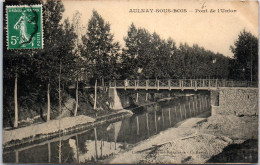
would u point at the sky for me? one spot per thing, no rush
(215, 31)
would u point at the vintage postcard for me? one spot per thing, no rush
(129, 82)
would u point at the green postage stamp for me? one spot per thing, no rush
(24, 27)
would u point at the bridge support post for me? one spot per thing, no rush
(175, 110)
(125, 82)
(180, 110)
(206, 105)
(158, 85)
(155, 121)
(147, 123)
(202, 103)
(169, 84)
(185, 111)
(209, 102)
(193, 107)
(197, 105)
(190, 109)
(170, 116)
(103, 83)
(196, 87)
(137, 123)
(162, 118)
(181, 85)
(205, 102)
(200, 106)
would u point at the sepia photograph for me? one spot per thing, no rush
(130, 82)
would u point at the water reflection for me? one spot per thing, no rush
(99, 143)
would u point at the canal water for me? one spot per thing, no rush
(106, 140)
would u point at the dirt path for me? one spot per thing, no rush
(195, 140)
(172, 134)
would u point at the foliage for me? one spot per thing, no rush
(245, 60)
(145, 52)
(99, 49)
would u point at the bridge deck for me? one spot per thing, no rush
(174, 84)
(165, 88)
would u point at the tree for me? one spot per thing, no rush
(16, 68)
(76, 26)
(100, 49)
(245, 52)
(68, 59)
(162, 51)
(184, 57)
(144, 52)
(145, 58)
(129, 54)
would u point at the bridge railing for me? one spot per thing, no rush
(151, 82)
(180, 83)
(163, 83)
(142, 83)
(175, 83)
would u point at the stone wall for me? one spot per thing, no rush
(236, 101)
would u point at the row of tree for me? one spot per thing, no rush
(34, 78)
(145, 51)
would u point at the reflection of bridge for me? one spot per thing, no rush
(177, 84)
